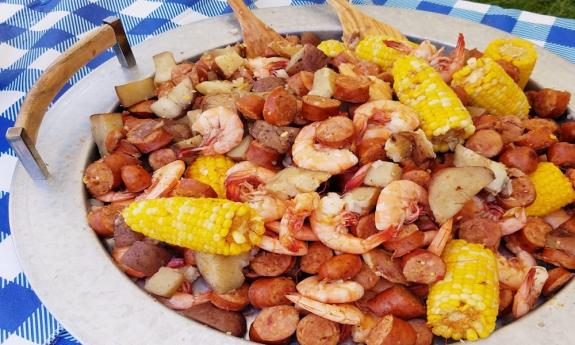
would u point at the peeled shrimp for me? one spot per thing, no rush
(303, 234)
(390, 116)
(529, 290)
(243, 177)
(164, 180)
(329, 222)
(222, 129)
(182, 300)
(265, 204)
(345, 314)
(308, 154)
(299, 208)
(425, 50)
(330, 292)
(399, 202)
(272, 244)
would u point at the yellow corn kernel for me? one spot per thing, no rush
(331, 48)
(374, 49)
(211, 170)
(554, 190)
(521, 53)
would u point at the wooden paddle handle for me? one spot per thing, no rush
(22, 137)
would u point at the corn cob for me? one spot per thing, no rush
(519, 52)
(443, 117)
(464, 305)
(213, 226)
(211, 170)
(490, 87)
(554, 190)
(331, 48)
(374, 49)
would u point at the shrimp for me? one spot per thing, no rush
(243, 177)
(182, 300)
(443, 236)
(329, 222)
(512, 270)
(303, 234)
(222, 129)
(330, 292)
(357, 179)
(164, 180)
(272, 244)
(391, 116)
(399, 202)
(266, 205)
(112, 196)
(346, 314)
(529, 290)
(512, 221)
(308, 154)
(299, 208)
(266, 66)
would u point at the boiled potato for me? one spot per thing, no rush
(222, 273)
(379, 89)
(229, 62)
(361, 200)
(136, 91)
(165, 282)
(101, 125)
(465, 157)
(381, 173)
(163, 62)
(214, 87)
(239, 152)
(450, 188)
(291, 181)
(323, 82)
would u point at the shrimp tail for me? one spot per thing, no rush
(402, 47)
(357, 179)
(380, 237)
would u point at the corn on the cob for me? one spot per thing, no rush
(490, 87)
(554, 190)
(519, 52)
(331, 48)
(374, 49)
(443, 117)
(214, 226)
(211, 170)
(464, 305)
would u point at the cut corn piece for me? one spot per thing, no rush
(443, 117)
(554, 190)
(214, 226)
(331, 48)
(211, 170)
(490, 87)
(464, 305)
(374, 49)
(521, 53)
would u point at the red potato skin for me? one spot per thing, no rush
(101, 219)
(266, 264)
(230, 322)
(269, 292)
(117, 254)
(280, 107)
(145, 257)
(558, 277)
(235, 300)
(274, 325)
(161, 157)
(316, 255)
(135, 178)
(262, 155)
(267, 84)
(521, 157)
(315, 330)
(423, 267)
(124, 236)
(397, 301)
(99, 178)
(424, 336)
(310, 38)
(562, 154)
(344, 266)
(351, 89)
(391, 330)
(251, 106)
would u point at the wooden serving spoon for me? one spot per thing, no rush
(257, 35)
(357, 24)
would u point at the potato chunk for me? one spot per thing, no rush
(165, 282)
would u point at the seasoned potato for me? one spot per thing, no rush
(239, 152)
(223, 273)
(381, 173)
(165, 282)
(136, 91)
(361, 200)
(323, 83)
(291, 181)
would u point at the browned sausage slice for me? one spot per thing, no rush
(486, 142)
(537, 139)
(534, 232)
(280, 107)
(522, 193)
(522, 158)
(300, 83)
(562, 154)
(99, 178)
(266, 264)
(161, 157)
(423, 334)
(344, 266)
(116, 161)
(397, 301)
(385, 266)
(423, 267)
(135, 178)
(558, 277)
(234, 300)
(421, 177)
(262, 155)
(315, 330)
(366, 277)
(230, 322)
(336, 131)
(269, 292)
(557, 257)
(548, 102)
(351, 89)
(316, 255)
(391, 330)
(101, 219)
(480, 230)
(365, 226)
(274, 325)
(567, 131)
(318, 108)
(251, 106)
(408, 239)
(563, 240)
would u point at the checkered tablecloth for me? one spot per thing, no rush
(34, 32)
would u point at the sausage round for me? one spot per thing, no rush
(316, 255)
(548, 102)
(300, 83)
(315, 330)
(567, 131)
(480, 230)
(366, 277)
(310, 38)
(161, 157)
(558, 277)
(99, 178)
(534, 231)
(154, 141)
(537, 139)
(262, 155)
(562, 154)
(536, 122)
(351, 89)
(521, 157)
(251, 106)
(280, 107)
(367, 68)
(408, 239)
(336, 131)
(135, 178)
(485, 122)
(391, 330)
(423, 267)
(370, 150)
(397, 301)
(266, 264)
(193, 188)
(344, 266)
(423, 334)
(269, 292)
(510, 127)
(559, 239)
(116, 161)
(318, 108)
(557, 257)
(101, 219)
(365, 226)
(230, 322)
(274, 325)
(486, 142)
(384, 265)
(522, 193)
(234, 300)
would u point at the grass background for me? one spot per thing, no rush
(558, 8)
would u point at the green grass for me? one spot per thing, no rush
(557, 8)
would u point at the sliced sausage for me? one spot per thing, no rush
(521, 157)
(275, 325)
(419, 290)
(128, 148)
(234, 300)
(505, 300)
(101, 219)
(267, 84)
(145, 257)
(269, 292)
(366, 277)
(113, 138)
(262, 155)
(116, 161)
(537, 139)
(370, 150)
(549, 103)
(480, 230)
(193, 188)
(562, 154)
(344, 266)
(567, 131)
(316, 255)
(149, 136)
(142, 109)
(300, 83)
(510, 127)
(251, 106)
(319, 108)
(391, 330)
(336, 131)
(278, 138)
(99, 178)
(397, 301)
(315, 330)
(365, 226)
(135, 178)
(280, 107)
(423, 335)
(558, 277)
(423, 267)
(351, 89)
(408, 239)
(485, 122)
(385, 266)
(161, 157)
(367, 68)
(559, 239)
(557, 257)
(569, 226)
(536, 122)
(230, 322)
(124, 236)
(534, 232)
(486, 142)
(266, 264)
(421, 177)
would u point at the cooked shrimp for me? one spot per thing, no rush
(390, 116)
(346, 314)
(357, 179)
(222, 129)
(425, 50)
(308, 154)
(529, 291)
(512, 270)
(113, 196)
(329, 222)
(164, 180)
(243, 177)
(273, 244)
(400, 202)
(330, 292)
(512, 221)
(303, 234)
(266, 66)
(443, 235)
(182, 300)
(266, 205)
(299, 208)
(447, 66)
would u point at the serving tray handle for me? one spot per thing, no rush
(22, 137)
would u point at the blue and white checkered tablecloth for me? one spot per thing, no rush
(35, 32)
